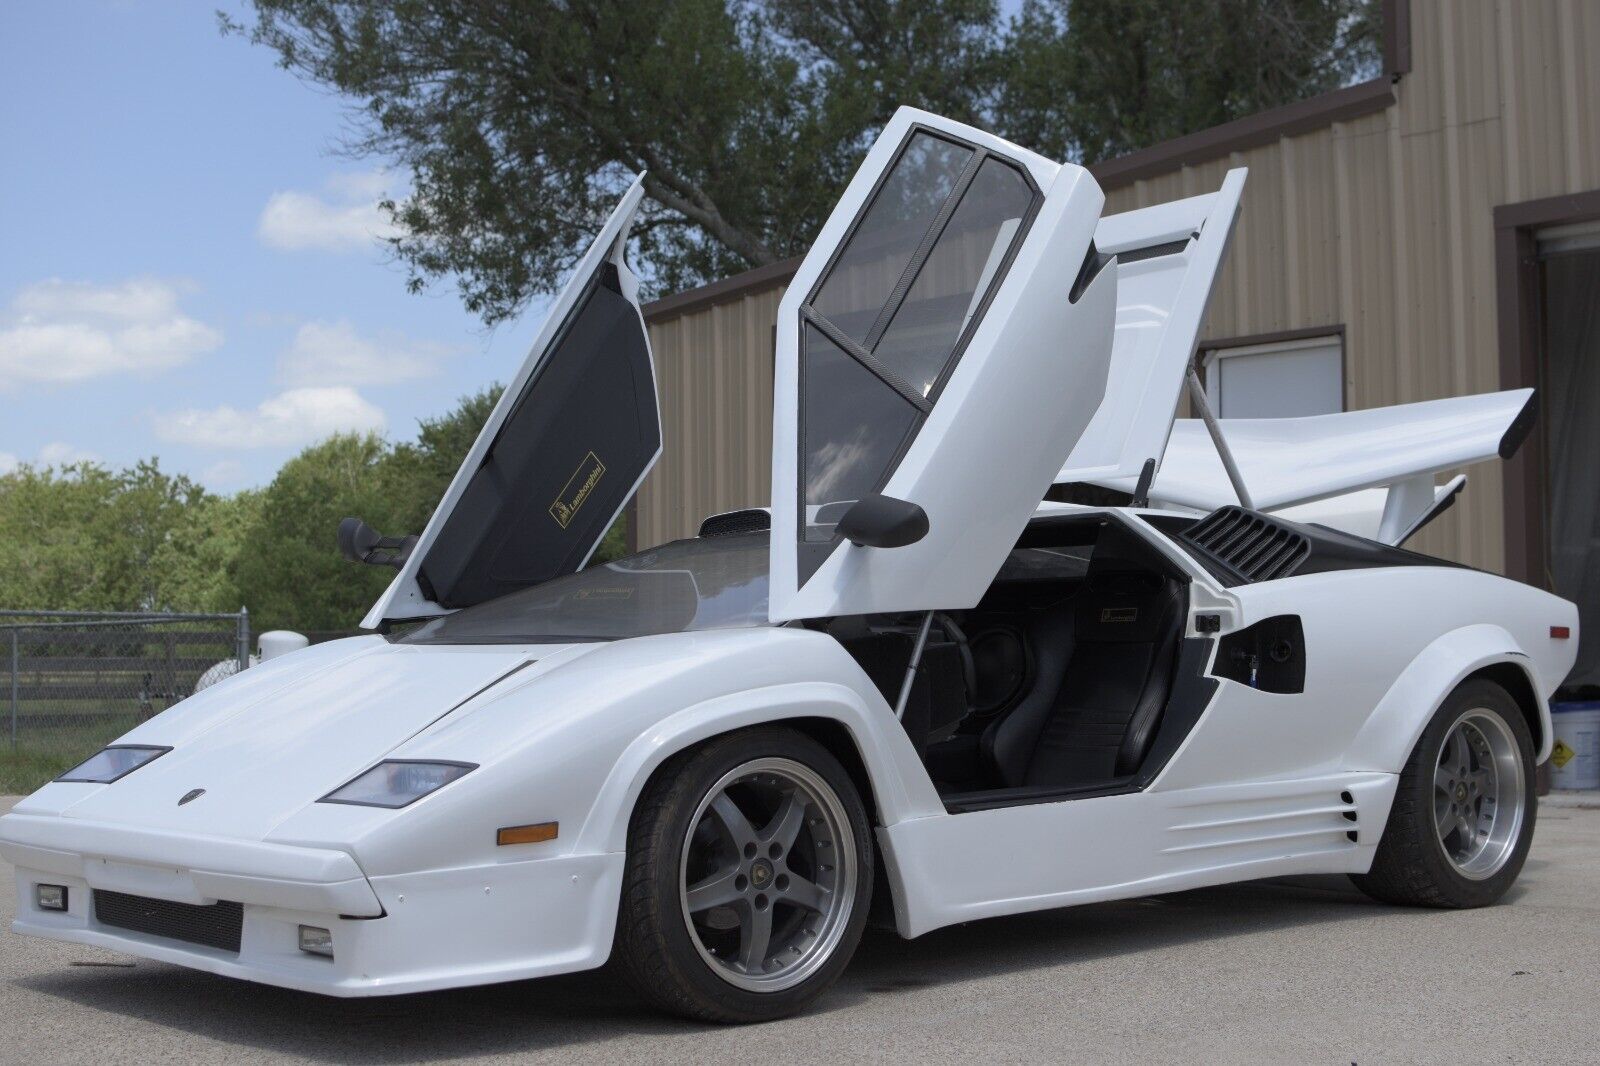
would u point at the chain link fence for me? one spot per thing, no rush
(73, 681)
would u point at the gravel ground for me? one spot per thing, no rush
(1303, 970)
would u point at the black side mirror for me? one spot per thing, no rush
(877, 521)
(360, 543)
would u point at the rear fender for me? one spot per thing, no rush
(1392, 730)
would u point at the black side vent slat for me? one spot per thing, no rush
(1254, 546)
(214, 925)
(753, 520)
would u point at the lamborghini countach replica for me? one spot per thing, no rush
(922, 686)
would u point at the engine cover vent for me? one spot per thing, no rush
(752, 520)
(1254, 546)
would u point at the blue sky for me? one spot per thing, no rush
(189, 268)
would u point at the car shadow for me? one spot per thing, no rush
(596, 1008)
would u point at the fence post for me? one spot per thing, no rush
(14, 690)
(243, 636)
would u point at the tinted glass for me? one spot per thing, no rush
(877, 252)
(687, 585)
(853, 426)
(963, 264)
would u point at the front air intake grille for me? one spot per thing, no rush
(213, 925)
(1252, 545)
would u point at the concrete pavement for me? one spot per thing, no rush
(1303, 971)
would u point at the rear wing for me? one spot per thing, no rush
(1297, 462)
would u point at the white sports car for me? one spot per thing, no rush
(912, 687)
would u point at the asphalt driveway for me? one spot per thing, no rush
(1304, 971)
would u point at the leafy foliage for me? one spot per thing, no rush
(521, 121)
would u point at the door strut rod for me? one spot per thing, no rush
(911, 667)
(1197, 399)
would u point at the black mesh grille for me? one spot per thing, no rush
(215, 925)
(754, 520)
(1252, 545)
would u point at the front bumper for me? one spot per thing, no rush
(406, 933)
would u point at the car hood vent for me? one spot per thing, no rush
(1249, 544)
(753, 520)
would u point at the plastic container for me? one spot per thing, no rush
(1575, 760)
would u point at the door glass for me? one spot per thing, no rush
(876, 255)
(941, 302)
(854, 425)
(886, 323)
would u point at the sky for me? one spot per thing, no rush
(190, 268)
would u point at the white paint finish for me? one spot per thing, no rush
(1288, 461)
(961, 867)
(1160, 304)
(404, 598)
(1021, 393)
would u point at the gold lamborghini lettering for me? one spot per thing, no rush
(577, 489)
(1119, 614)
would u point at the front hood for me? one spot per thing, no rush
(265, 744)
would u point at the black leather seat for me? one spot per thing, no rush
(1103, 674)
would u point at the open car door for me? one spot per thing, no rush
(945, 343)
(560, 456)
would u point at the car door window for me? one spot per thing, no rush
(885, 325)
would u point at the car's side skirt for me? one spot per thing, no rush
(955, 868)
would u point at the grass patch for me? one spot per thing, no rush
(43, 752)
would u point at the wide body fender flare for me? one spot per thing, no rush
(1385, 742)
(901, 787)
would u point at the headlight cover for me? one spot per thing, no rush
(113, 763)
(398, 782)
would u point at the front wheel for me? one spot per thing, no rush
(1463, 812)
(748, 877)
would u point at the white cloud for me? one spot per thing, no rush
(222, 473)
(57, 454)
(62, 332)
(344, 217)
(333, 353)
(8, 462)
(290, 419)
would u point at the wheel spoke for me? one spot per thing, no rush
(755, 932)
(1460, 753)
(1444, 818)
(785, 825)
(733, 820)
(807, 894)
(715, 891)
(1443, 780)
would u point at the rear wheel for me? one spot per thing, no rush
(1464, 810)
(748, 877)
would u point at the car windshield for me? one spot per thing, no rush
(687, 585)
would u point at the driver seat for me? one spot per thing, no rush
(1100, 691)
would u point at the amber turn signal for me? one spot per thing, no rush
(527, 834)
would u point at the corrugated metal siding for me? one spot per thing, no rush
(1383, 224)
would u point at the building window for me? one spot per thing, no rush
(1277, 378)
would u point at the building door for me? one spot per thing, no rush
(1569, 327)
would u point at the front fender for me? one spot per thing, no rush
(900, 783)
(1391, 732)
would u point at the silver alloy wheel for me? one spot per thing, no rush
(768, 876)
(1479, 796)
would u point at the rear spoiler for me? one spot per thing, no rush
(1294, 462)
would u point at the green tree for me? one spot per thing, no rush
(1092, 79)
(290, 573)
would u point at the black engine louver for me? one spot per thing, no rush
(1252, 545)
(752, 520)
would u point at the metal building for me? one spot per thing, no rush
(1432, 232)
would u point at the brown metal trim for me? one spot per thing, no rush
(1283, 336)
(1516, 266)
(1396, 38)
(1252, 131)
(727, 290)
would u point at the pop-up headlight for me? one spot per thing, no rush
(110, 764)
(397, 782)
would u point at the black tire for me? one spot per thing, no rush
(1411, 867)
(655, 948)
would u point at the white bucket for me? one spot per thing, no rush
(1575, 762)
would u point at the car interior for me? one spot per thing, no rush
(1055, 684)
